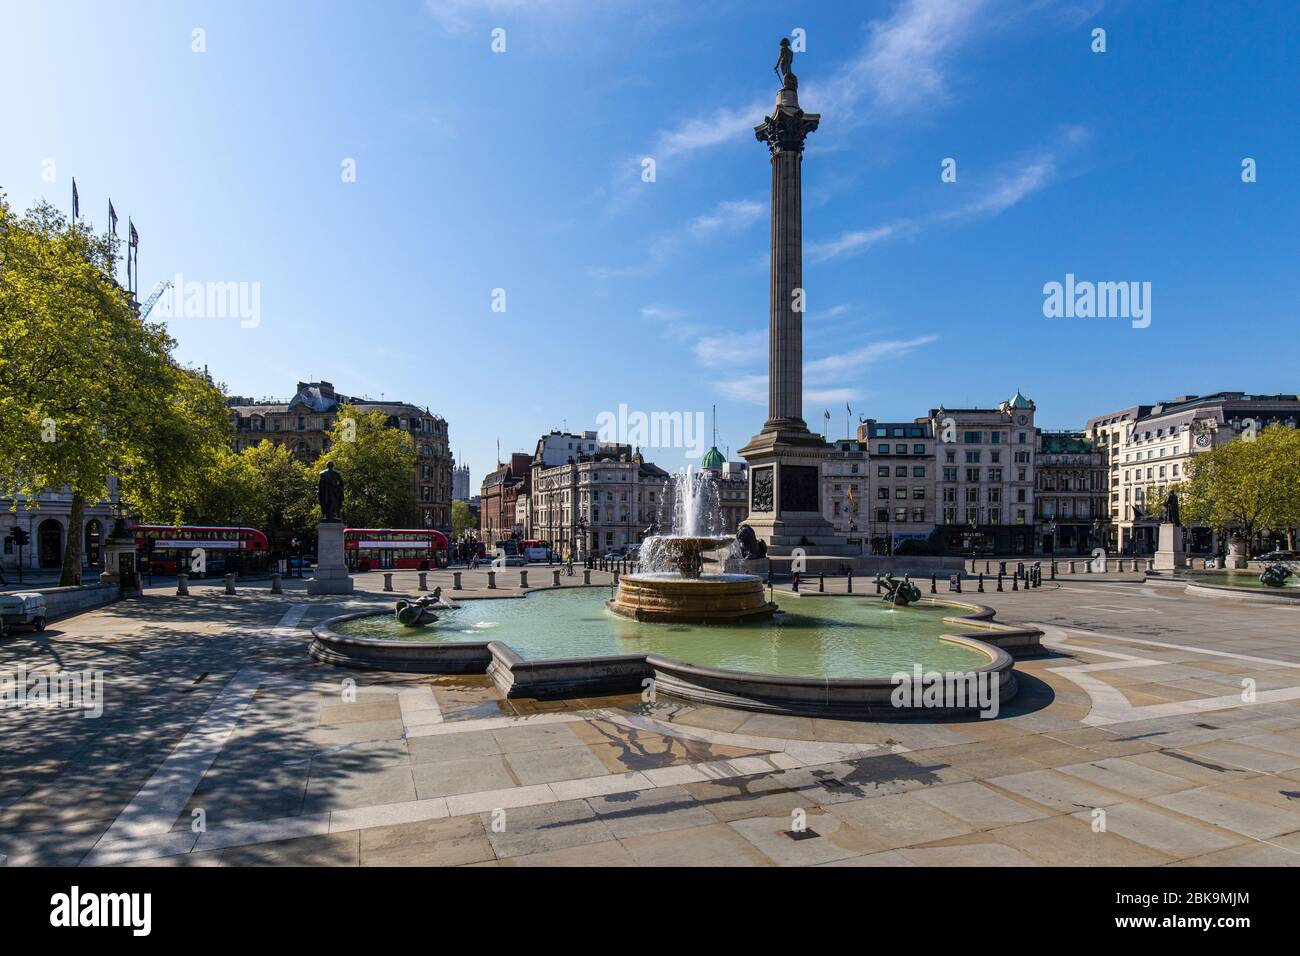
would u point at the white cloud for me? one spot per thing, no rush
(727, 217)
(1028, 175)
(733, 349)
(745, 388)
(835, 365)
(664, 313)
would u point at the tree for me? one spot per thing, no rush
(1247, 486)
(89, 391)
(462, 519)
(378, 467)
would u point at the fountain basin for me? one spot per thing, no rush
(831, 655)
(707, 599)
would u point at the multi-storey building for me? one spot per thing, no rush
(600, 501)
(899, 499)
(844, 489)
(302, 424)
(1148, 449)
(985, 481)
(1071, 498)
(499, 494)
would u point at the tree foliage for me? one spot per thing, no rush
(378, 467)
(462, 520)
(89, 391)
(1246, 486)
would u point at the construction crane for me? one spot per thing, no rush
(159, 288)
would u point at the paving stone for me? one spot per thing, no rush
(526, 830)
(650, 811)
(1231, 813)
(525, 737)
(978, 805)
(1126, 776)
(445, 747)
(547, 766)
(469, 775)
(899, 820)
(1164, 832)
(338, 849)
(694, 846)
(446, 842)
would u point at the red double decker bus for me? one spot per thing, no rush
(226, 550)
(387, 548)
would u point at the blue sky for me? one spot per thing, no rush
(522, 171)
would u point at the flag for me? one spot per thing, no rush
(848, 408)
(112, 218)
(826, 414)
(76, 200)
(135, 236)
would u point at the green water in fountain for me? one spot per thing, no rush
(812, 637)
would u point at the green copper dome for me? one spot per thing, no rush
(1019, 401)
(712, 458)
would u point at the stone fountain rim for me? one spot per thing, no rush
(324, 635)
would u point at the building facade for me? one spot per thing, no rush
(1071, 498)
(900, 495)
(599, 502)
(498, 497)
(986, 479)
(302, 424)
(46, 520)
(460, 489)
(844, 490)
(1148, 449)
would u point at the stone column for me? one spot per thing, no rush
(784, 132)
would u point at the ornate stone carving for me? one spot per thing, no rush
(786, 130)
(762, 490)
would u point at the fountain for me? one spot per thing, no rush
(671, 584)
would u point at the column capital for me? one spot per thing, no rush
(786, 129)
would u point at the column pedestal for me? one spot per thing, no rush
(1169, 553)
(331, 575)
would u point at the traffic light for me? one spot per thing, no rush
(20, 535)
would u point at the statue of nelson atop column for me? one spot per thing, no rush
(330, 492)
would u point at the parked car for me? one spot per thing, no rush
(23, 607)
(614, 556)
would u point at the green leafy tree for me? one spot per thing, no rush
(378, 467)
(1247, 486)
(89, 391)
(462, 519)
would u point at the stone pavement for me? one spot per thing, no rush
(1162, 729)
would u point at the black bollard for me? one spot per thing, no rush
(934, 585)
(850, 582)
(821, 582)
(878, 584)
(1053, 569)
(999, 580)
(981, 587)
(1015, 582)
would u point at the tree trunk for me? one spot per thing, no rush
(70, 575)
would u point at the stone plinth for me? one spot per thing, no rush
(1169, 554)
(331, 575)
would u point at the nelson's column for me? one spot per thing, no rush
(785, 458)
